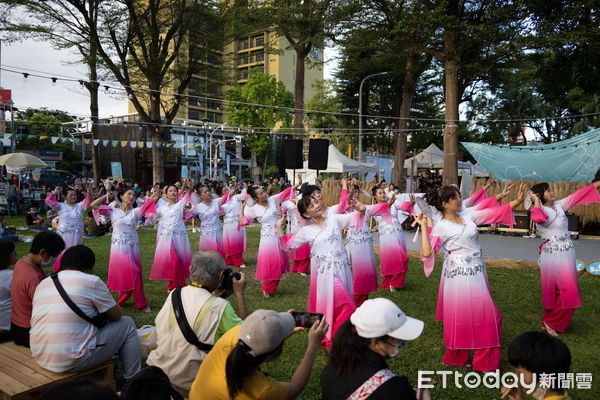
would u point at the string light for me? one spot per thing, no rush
(129, 89)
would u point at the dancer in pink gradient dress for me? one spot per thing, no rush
(173, 256)
(331, 291)
(359, 245)
(560, 287)
(272, 261)
(301, 256)
(125, 263)
(209, 211)
(70, 218)
(392, 248)
(471, 319)
(234, 235)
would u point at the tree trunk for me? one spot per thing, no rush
(92, 87)
(299, 92)
(408, 92)
(158, 173)
(451, 95)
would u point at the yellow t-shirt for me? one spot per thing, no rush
(211, 384)
(558, 397)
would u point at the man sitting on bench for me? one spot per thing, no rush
(76, 324)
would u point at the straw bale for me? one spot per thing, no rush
(588, 213)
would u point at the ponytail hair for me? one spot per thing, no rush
(539, 190)
(241, 364)
(348, 349)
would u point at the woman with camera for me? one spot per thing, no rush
(232, 368)
(208, 314)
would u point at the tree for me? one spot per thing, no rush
(152, 49)
(36, 127)
(265, 90)
(305, 25)
(60, 23)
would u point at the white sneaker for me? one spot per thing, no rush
(193, 230)
(243, 266)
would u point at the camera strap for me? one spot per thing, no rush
(70, 303)
(184, 326)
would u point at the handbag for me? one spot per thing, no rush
(99, 321)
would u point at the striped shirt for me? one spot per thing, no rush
(59, 338)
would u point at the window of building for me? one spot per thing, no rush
(213, 59)
(260, 41)
(294, 75)
(195, 115)
(260, 57)
(193, 101)
(245, 44)
(293, 59)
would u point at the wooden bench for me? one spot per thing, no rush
(22, 378)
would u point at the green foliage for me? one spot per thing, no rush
(263, 89)
(45, 122)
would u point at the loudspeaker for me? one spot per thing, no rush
(318, 154)
(573, 222)
(521, 220)
(292, 154)
(279, 156)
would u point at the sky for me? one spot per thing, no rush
(36, 92)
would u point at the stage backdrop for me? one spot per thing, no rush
(572, 160)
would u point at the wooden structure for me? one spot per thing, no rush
(21, 378)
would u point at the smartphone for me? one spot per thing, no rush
(306, 319)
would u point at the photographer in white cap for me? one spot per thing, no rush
(357, 368)
(232, 368)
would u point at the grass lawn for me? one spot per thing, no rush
(516, 292)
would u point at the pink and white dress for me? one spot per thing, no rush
(465, 306)
(560, 287)
(173, 255)
(211, 233)
(272, 262)
(301, 256)
(331, 291)
(392, 248)
(234, 235)
(359, 245)
(70, 222)
(125, 263)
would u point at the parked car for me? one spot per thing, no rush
(51, 178)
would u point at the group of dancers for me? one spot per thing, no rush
(343, 274)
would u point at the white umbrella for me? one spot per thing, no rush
(22, 160)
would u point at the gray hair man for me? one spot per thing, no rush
(209, 316)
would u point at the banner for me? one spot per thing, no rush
(14, 170)
(228, 163)
(201, 163)
(115, 170)
(572, 160)
(36, 174)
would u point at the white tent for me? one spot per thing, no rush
(431, 157)
(336, 163)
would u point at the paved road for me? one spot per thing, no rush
(520, 248)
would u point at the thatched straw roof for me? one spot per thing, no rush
(588, 213)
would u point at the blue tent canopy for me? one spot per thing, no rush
(572, 160)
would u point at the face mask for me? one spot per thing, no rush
(49, 263)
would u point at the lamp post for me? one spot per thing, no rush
(360, 154)
(210, 150)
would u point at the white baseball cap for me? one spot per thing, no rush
(379, 317)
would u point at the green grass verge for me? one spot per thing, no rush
(516, 292)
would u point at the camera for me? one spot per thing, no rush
(226, 284)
